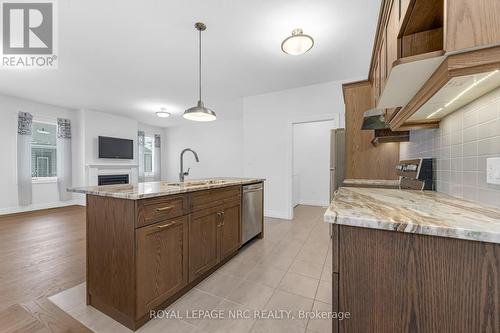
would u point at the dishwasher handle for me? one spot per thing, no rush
(252, 188)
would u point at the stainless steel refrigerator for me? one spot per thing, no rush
(337, 159)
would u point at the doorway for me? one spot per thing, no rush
(311, 162)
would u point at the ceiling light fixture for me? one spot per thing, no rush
(163, 113)
(466, 90)
(297, 43)
(200, 112)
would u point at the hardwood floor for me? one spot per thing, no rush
(42, 253)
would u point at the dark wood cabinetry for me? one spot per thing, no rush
(230, 230)
(162, 262)
(400, 282)
(203, 241)
(214, 236)
(144, 254)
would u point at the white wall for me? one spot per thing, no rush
(267, 136)
(218, 144)
(44, 195)
(311, 162)
(104, 124)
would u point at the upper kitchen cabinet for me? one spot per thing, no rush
(472, 24)
(460, 79)
(427, 52)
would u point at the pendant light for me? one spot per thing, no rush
(200, 112)
(297, 43)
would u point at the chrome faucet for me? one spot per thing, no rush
(182, 174)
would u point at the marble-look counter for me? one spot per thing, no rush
(426, 213)
(157, 189)
(378, 183)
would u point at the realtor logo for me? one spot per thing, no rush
(28, 30)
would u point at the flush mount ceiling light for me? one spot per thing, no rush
(163, 113)
(297, 43)
(200, 112)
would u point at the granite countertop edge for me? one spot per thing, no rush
(475, 232)
(153, 189)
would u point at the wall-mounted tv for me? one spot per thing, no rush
(116, 148)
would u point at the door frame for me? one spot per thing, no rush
(335, 117)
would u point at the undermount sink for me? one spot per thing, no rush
(197, 183)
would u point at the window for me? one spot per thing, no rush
(43, 152)
(148, 156)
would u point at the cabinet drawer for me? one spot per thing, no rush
(158, 209)
(215, 197)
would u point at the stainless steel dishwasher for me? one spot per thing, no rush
(253, 213)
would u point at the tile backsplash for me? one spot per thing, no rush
(460, 147)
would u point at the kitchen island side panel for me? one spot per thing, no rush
(399, 282)
(111, 256)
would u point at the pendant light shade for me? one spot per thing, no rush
(200, 112)
(297, 43)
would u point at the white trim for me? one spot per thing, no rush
(277, 214)
(289, 149)
(21, 209)
(313, 203)
(43, 180)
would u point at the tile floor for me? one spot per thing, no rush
(290, 269)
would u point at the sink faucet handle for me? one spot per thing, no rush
(187, 172)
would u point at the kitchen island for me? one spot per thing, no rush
(413, 261)
(149, 243)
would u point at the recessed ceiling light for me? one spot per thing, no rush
(297, 43)
(163, 113)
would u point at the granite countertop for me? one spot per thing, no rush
(426, 213)
(157, 189)
(370, 183)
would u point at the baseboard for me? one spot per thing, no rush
(22, 209)
(314, 203)
(277, 214)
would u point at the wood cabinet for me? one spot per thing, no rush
(203, 241)
(214, 236)
(400, 282)
(162, 262)
(472, 24)
(230, 230)
(363, 160)
(144, 254)
(413, 39)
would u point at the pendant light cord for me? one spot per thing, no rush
(200, 63)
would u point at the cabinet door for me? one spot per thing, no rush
(203, 244)
(162, 262)
(392, 37)
(230, 230)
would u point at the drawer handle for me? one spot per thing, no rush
(166, 225)
(162, 209)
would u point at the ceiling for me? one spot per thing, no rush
(133, 57)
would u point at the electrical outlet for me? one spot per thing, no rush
(493, 170)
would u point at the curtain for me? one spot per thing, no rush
(157, 158)
(64, 158)
(140, 153)
(24, 186)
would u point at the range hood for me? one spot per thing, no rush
(374, 119)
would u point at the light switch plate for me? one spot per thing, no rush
(493, 170)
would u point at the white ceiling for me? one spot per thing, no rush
(132, 57)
